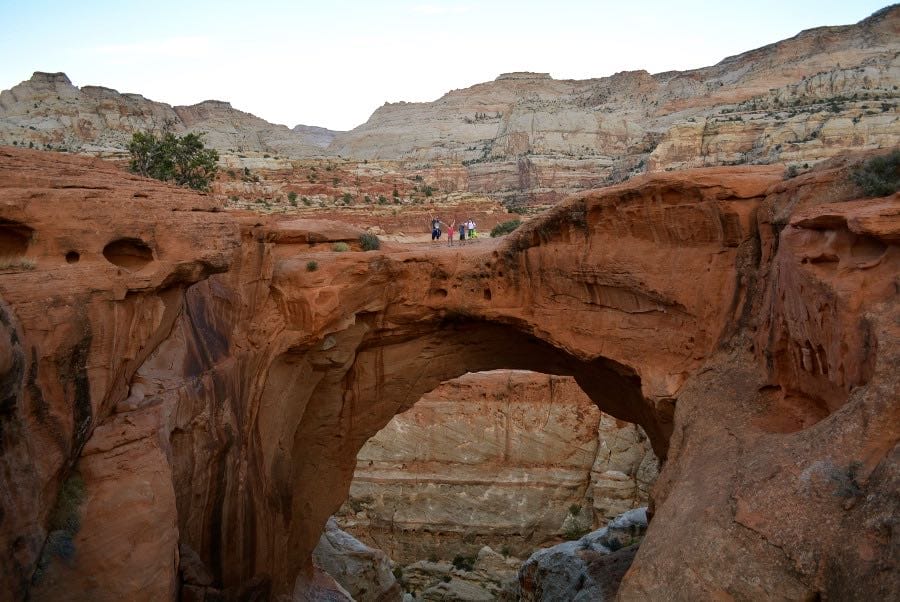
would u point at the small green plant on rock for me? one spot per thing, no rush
(312, 266)
(369, 242)
(63, 526)
(505, 228)
(575, 531)
(879, 176)
(463, 563)
(340, 247)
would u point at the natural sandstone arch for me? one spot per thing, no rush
(691, 281)
(321, 404)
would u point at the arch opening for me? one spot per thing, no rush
(323, 399)
(485, 470)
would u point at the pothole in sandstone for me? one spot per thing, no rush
(129, 253)
(15, 238)
(483, 471)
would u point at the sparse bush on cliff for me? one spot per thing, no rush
(292, 197)
(369, 242)
(879, 176)
(340, 247)
(64, 524)
(505, 228)
(463, 563)
(312, 266)
(180, 159)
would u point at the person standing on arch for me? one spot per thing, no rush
(450, 230)
(435, 228)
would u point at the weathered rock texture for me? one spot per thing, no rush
(362, 571)
(589, 569)
(48, 110)
(748, 324)
(439, 480)
(526, 138)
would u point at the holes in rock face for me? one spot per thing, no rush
(487, 294)
(14, 238)
(867, 248)
(439, 293)
(128, 253)
(72, 257)
(788, 412)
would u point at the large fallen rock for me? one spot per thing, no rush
(361, 570)
(577, 570)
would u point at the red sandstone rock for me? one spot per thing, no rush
(682, 301)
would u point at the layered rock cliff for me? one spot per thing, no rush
(747, 323)
(47, 110)
(426, 487)
(526, 138)
(529, 138)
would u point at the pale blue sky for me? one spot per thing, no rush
(332, 63)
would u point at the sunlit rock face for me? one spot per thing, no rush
(526, 138)
(747, 323)
(507, 459)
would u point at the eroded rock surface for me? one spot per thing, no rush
(439, 480)
(531, 139)
(361, 570)
(747, 323)
(581, 570)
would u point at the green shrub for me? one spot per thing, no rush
(613, 545)
(574, 509)
(791, 172)
(381, 199)
(340, 247)
(574, 532)
(879, 176)
(347, 198)
(64, 524)
(369, 242)
(505, 228)
(292, 197)
(398, 573)
(463, 563)
(306, 201)
(312, 266)
(180, 159)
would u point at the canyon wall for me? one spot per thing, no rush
(48, 110)
(528, 139)
(440, 479)
(747, 323)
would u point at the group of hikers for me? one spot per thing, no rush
(466, 230)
